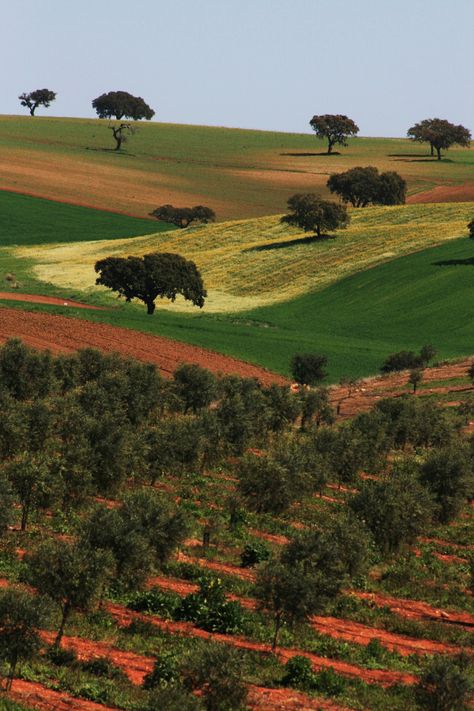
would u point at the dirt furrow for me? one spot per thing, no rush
(381, 677)
(61, 334)
(40, 697)
(416, 610)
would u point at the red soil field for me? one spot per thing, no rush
(60, 334)
(445, 193)
(38, 299)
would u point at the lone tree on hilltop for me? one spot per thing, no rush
(312, 214)
(183, 216)
(440, 134)
(39, 97)
(160, 274)
(335, 127)
(365, 186)
(121, 104)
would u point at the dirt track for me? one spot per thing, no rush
(60, 334)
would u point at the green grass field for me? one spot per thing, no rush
(240, 173)
(27, 220)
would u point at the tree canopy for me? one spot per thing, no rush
(159, 274)
(39, 97)
(312, 214)
(121, 104)
(440, 134)
(183, 216)
(365, 186)
(335, 127)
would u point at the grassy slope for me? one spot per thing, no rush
(241, 173)
(356, 321)
(250, 263)
(26, 220)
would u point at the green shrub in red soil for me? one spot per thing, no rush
(209, 609)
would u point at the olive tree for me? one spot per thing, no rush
(21, 614)
(70, 574)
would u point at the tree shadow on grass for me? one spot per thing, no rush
(469, 262)
(410, 158)
(121, 152)
(306, 155)
(313, 239)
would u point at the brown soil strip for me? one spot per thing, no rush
(371, 676)
(264, 699)
(371, 390)
(443, 557)
(65, 335)
(446, 544)
(444, 193)
(38, 299)
(335, 627)
(416, 610)
(225, 568)
(37, 696)
(362, 634)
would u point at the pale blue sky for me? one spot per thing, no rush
(269, 64)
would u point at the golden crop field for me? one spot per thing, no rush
(256, 262)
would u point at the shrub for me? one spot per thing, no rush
(61, 657)
(209, 609)
(329, 682)
(103, 667)
(299, 673)
(165, 672)
(254, 553)
(446, 684)
(154, 601)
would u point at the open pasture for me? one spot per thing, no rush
(239, 173)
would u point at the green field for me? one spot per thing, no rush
(239, 173)
(27, 220)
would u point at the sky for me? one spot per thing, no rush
(264, 64)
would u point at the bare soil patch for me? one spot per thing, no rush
(38, 299)
(445, 193)
(60, 334)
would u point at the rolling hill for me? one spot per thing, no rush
(239, 173)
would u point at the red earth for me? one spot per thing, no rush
(38, 299)
(60, 334)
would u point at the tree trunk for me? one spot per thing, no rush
(150, 307)
(24, 517)
(65, 615)
(11, 674)
(277, 630)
